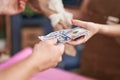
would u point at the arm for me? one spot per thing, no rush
(21, 71)
(94, 28)
(110, 30)
(45, 55)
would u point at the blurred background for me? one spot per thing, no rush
(98, 58)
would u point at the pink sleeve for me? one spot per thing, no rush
(18, 57)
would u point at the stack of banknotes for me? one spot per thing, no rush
(66, 35)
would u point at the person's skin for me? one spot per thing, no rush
(41, 6)
(8, 7)
(94, 28)
(13, 7)
(46, 54)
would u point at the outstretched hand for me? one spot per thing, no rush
(92, 27)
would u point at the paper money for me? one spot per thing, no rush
(64, 36)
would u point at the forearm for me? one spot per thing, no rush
(23, 70)
(110, 30)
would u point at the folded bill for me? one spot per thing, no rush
(66, 35)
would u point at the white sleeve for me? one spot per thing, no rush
(61, 14)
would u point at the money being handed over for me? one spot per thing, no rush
(66, 35)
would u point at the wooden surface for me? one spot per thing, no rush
(6, 21)
(101, 55)
(8, 34)
(1, 22)
(100, 58)
(30, 36)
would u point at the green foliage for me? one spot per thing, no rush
(28, 11)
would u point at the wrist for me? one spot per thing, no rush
(103, 29)
(36, 63)
(33, 64)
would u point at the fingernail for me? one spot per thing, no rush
(73, 21)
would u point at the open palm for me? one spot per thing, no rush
(92, 27)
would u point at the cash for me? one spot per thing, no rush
(66, 35)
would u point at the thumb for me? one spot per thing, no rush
(80, 23)
(52, 41)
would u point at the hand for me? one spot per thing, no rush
(92, 27)
(35, 5)
(11, 7)
(69, 49)
(41, 6)
(61, 25)
(47, 54)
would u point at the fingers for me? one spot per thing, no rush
(80, 23)
(61, 25)
(34, 5)
(64, 25)
(22, 5)
(51, 41)
(58, 27)
(78, 41)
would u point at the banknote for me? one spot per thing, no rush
(66, 35)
